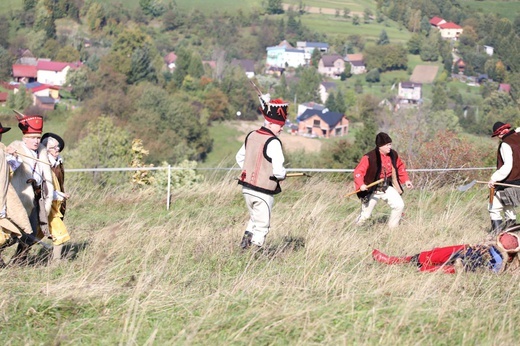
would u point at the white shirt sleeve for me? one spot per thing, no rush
(507, 156)
(241, 156)
(274, 151)
(13, 161)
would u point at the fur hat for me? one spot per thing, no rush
(274, 111)
(3, 129)
(509, 242)
(382, 139)
(29, 124)
(499, 128)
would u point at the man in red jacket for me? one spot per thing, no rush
(381, 163)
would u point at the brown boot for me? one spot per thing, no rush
(383, 258)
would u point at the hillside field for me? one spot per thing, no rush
(139, 274)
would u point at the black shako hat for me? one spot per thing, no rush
(45, 139)
(382, 139)
(3, 129)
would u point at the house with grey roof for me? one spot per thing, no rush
(322, 123)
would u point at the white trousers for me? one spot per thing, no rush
(394, 200)
(497, 208)
(259, 205)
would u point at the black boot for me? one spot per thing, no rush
(20, 255)
(496, 226)
(246, 240)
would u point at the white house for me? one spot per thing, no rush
(54, 72)
(285, 55)
(409, 92)
(309, 48)
(450, 30)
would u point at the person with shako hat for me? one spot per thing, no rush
(496, 255)
(504, 199)
(14, 221)
(382, 164)
(60, 235)
(31, 178)
(261, 159)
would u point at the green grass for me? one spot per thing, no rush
(338, 26)
(225, 145)
(140, 274)
(352, 5)
(508, 9)
(10, 5)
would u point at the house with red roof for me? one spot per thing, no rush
(24, 73)
(169, 60)
(436, 21)
(448, 30)
(54, 72)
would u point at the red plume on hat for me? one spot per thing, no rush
(275, 111)
(29, 124)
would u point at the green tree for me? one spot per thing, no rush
(373, 76)
(383, 38)
(6, 62)
(430, 49)
(341, 106)
(307, 88)
(68, 54)
(440, 98)
(415, 43)
(331, 102)
(274, 7)
(105, 145)
(315, 57)
(78, 80)
(355, 19)
(154, 8)
(142, 67)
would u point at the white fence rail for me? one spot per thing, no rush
(317, 170)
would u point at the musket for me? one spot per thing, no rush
(369, 185)
(33, 158)
(303, 174)
(258, 91)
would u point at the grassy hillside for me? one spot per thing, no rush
(506, 8)
(140, 274)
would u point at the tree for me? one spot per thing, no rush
(68, 54)
(153, 8)
(307, 88)
(274, 7)
(341, 106)
(81, 86)
(141, 67)
(373, 76)
(430, 49)
(5, 64)
(440, 98)
(331, 102)
(415, 43)
(383, 38)
(315, 57)
(105, 145)
(355, 19)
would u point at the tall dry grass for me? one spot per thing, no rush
(141, 275)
